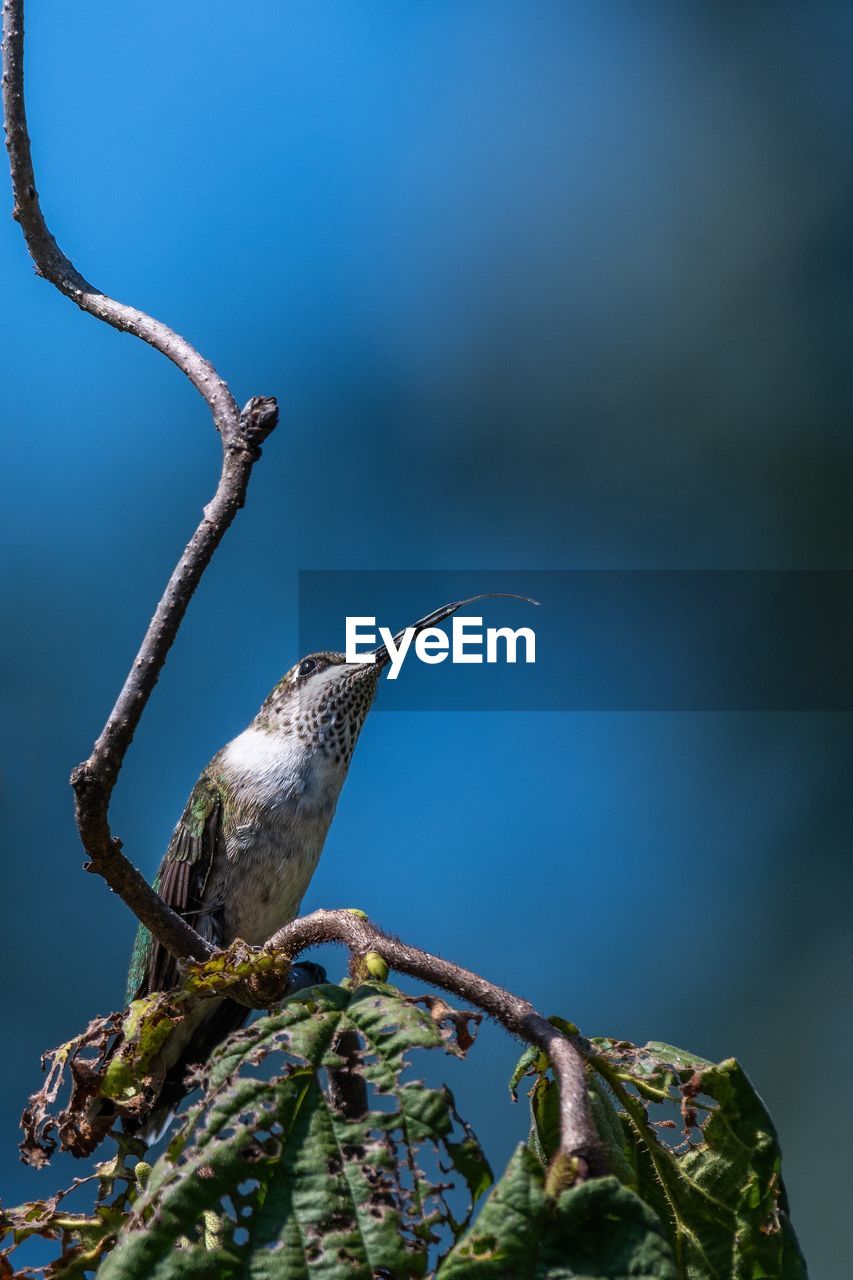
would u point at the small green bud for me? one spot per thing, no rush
(356, 911)
(141, 1172)
(376, 966)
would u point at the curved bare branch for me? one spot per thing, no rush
(52, 263)
(242, 435)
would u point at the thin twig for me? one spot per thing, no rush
(578, 1136)
(242, 435)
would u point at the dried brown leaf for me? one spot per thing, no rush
(80, 1062)
(457, 1027)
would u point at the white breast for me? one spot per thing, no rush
(272, 769)
(268, 763)
(289, 795)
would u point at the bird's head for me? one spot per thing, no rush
(325, 699)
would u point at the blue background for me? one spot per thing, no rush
(543, 285)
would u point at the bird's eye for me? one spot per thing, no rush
(306, 666)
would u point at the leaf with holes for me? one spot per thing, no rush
(718, 1190)
(268, 1178)
(599, 1229)
(716, 1186)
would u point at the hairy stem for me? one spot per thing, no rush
(578, 1136)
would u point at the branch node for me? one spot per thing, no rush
(80, 778)
(258, 419)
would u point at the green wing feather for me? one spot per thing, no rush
(180, 882)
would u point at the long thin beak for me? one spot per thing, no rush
(432, 619)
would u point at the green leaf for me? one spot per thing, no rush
(524, 1067)
(268, 1179)
(719, 1190)
(607, 1123)
(468, 1159)
(598, 1229)
(544, 1139)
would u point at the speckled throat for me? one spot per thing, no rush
(324, 709)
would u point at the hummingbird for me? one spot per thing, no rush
(245, 848)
